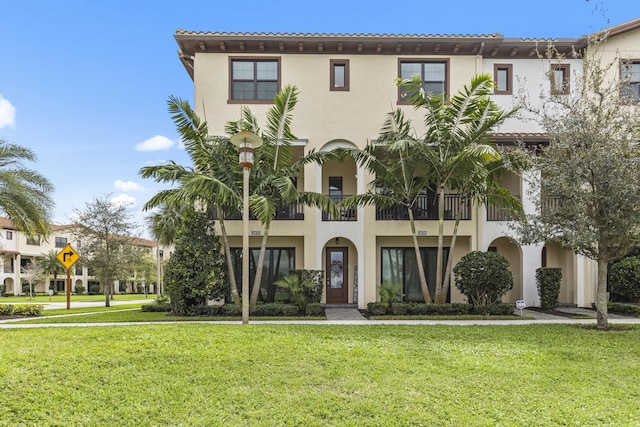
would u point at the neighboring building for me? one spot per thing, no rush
(346, 85)
(18, 248)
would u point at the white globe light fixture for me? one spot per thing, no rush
(246, 142)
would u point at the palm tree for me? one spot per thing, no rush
(25, 195)
(213, 181)
(459, 151)
(454, 154)
(51, 265)
(274, 171)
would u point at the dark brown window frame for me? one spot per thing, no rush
(277, 59)
(566, 84)
(447, 77)
(509, 68)
(332, 84)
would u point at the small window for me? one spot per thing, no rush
(33, 239)
(9, 235)
(339, 75)
(630, 79)
(560, 79)
(61, 242)
(255, 80)
(503, 76)
(433, 75)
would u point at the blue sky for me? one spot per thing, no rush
(85, 83)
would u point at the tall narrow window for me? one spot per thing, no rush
(9, 235)
(630, 79)
(433, 75)
(503, 76)
(339, 75)
(254, 79)
(560, 74)
(335, 188)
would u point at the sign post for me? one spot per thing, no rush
(520, 305)
(68, 256)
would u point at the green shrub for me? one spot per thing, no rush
(548, 280)
(290, 310)
(31, 310)
(204, 310)
(416, 309)
(377, 308)
(390, 293)
(80, 290)
(624, 280)
(268, 309)
(161, 304)
(94, 290)
(483, 277)
(6, 309)
(621, 308)
(400, 309)
(314, 309)
(230, 310)
(493, 310)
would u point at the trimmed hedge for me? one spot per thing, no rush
(548, 280)
(453, 309)
(27, 310)
(621, 308)
(230, 310)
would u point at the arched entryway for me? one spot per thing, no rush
(340, 269)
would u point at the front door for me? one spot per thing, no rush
(337, 276)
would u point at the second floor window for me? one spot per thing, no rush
(432, 74)
(61, 242)
(560, 79)
(254, 79)
(33, 239)
(630, 76)
(9, 235)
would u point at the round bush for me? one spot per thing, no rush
(625, 280)
(483, 277)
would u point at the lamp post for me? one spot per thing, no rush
(246, 142)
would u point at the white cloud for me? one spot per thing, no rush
(7, 113)
(124, 200)
(127, 186)
(155, 143)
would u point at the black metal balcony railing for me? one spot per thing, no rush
(495, 213)
(551, 204)
(284, 211)
(426, 208)
(344, 214)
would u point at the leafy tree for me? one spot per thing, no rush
(51, 265)
(589, 192)
(195, 272)
(33, 274)
(454, 154)
(483, 277)
(25, 195)
(105, 230)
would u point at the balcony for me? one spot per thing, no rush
(344, 214)
(284, 212)
(426, 208)
(495, 213)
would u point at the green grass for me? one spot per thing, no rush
(63, 298)
(319, 375)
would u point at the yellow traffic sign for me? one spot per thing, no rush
(68, 256)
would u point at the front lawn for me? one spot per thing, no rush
(320, 375)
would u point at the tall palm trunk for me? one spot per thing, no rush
(423, 279)
(446, 282)
(255, 292)
(440, 254)
(227, 253)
